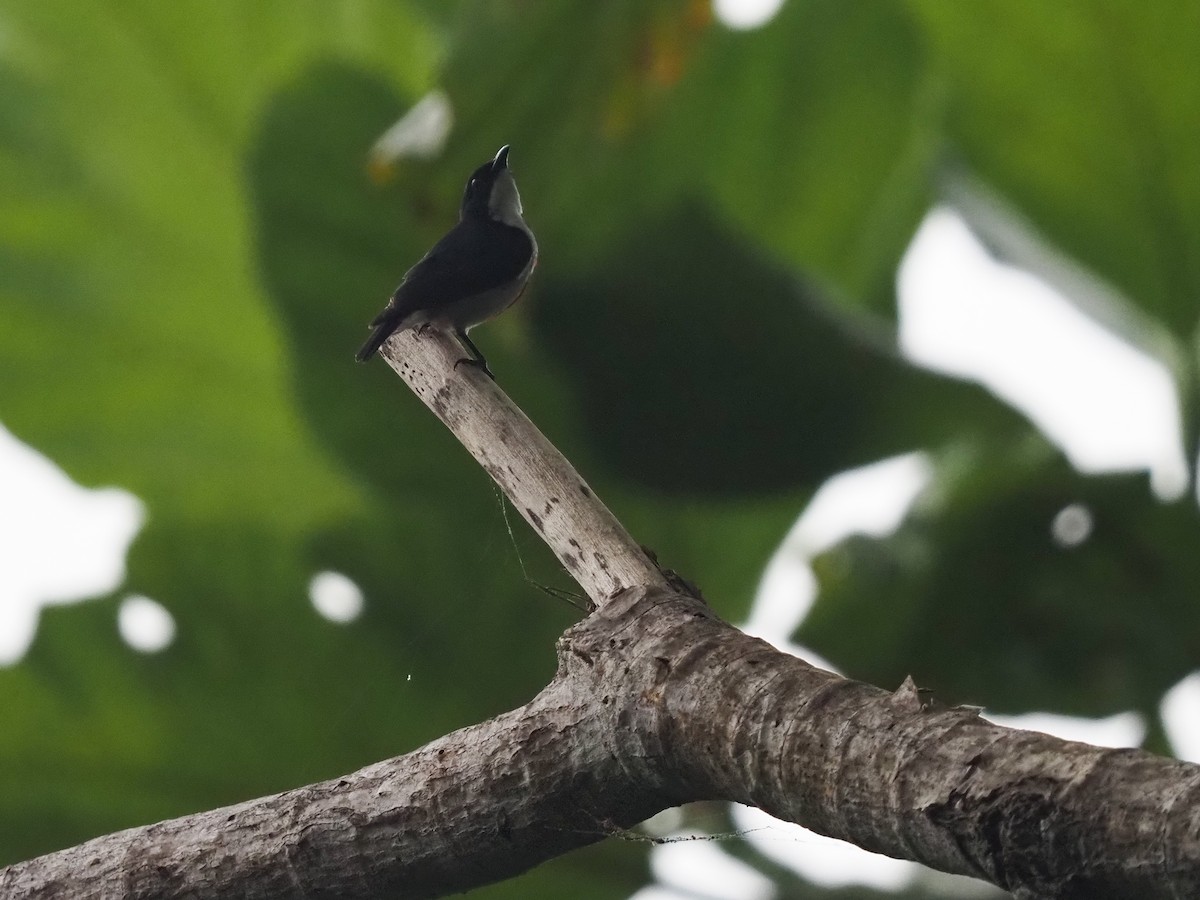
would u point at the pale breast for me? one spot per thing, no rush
(473, 310)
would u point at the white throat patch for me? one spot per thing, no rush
(504, 204)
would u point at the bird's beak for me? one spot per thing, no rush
(501, 160)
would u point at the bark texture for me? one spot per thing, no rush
(658, 702)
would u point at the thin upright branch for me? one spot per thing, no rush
(551, 496)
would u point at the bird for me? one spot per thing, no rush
(474, 273)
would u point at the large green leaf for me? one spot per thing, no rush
(816, 134)
(138, 350)
(703, 368)
(975, 598)
(132, 314)
(1084, 115)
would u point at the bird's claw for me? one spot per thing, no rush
(478, 363)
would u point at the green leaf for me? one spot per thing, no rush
(1083, 114)
(817, 135)
(702, 368)
(129, 284)
(139, 351)
(976, 600)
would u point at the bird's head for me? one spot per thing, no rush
(492, 192)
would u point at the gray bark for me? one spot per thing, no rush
(657, 702)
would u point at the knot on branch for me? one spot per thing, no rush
(629, 626)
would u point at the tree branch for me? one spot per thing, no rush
(657, 702)
(552, 497)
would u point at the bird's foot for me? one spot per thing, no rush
(478, 363)
(476, 358)
(422, 328)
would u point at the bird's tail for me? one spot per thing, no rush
(382, 327)
(382, 330)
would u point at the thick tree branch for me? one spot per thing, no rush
(657, 702)
(478, 805)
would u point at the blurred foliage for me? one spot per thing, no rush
(192, 240)
(977, 571)
(1084, 116)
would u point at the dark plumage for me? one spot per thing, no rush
(473, 273)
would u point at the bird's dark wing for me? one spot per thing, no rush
(473, 257)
